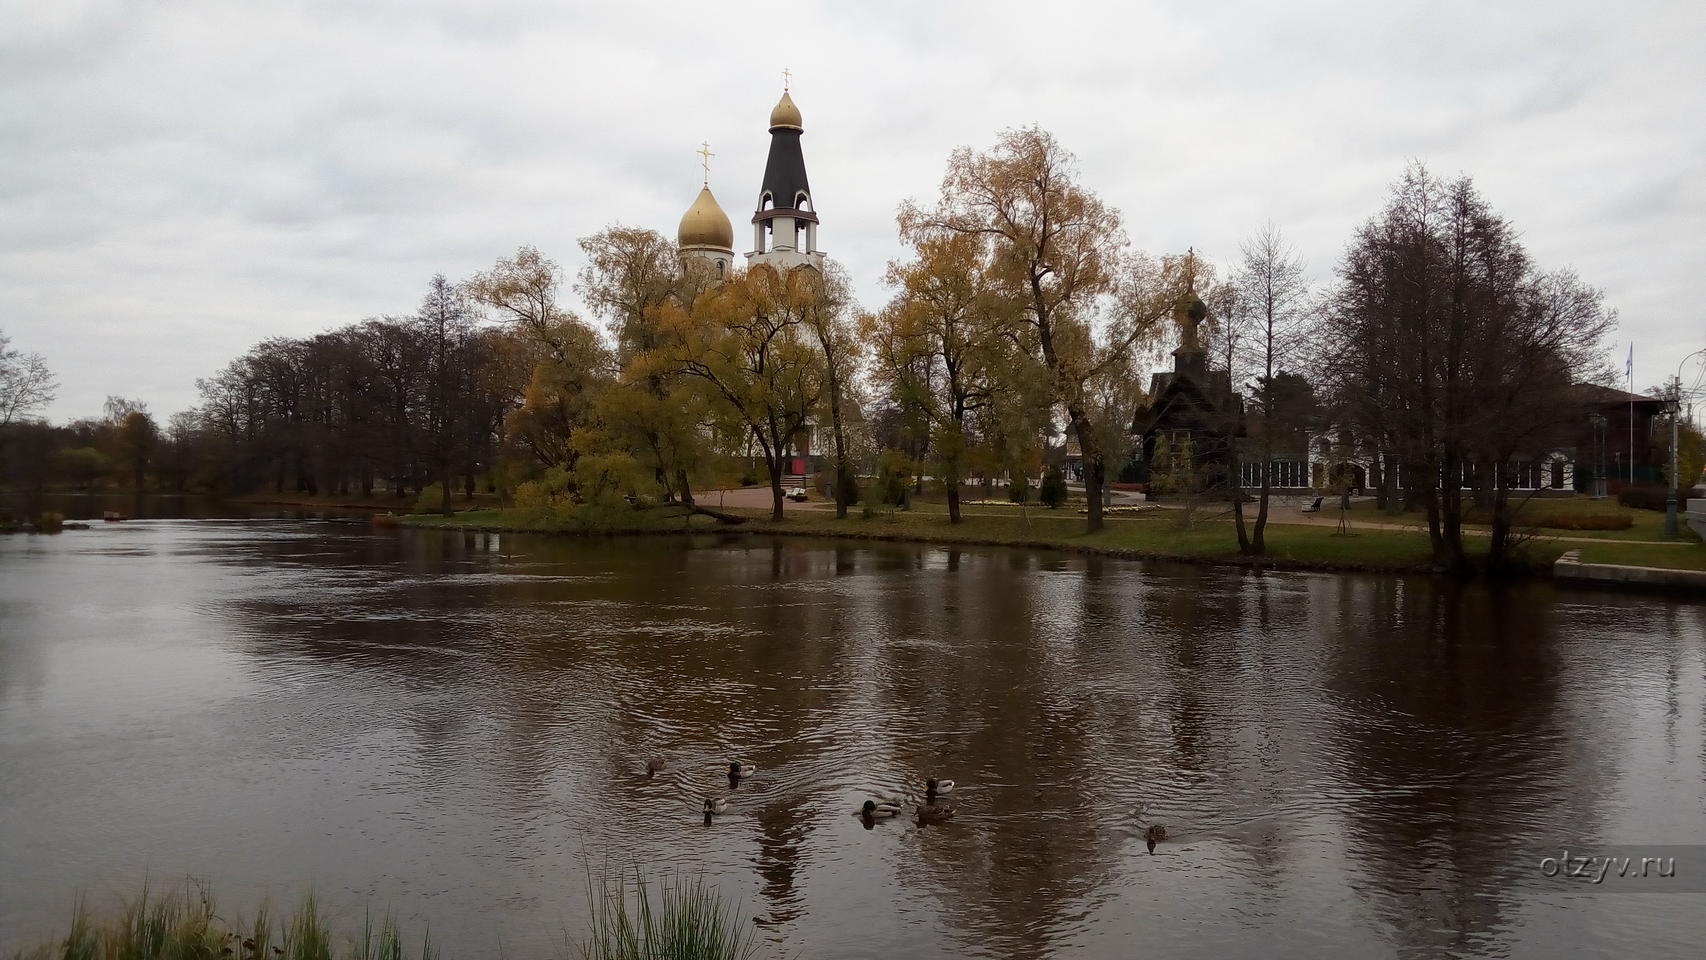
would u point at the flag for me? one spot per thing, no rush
(1629, 368)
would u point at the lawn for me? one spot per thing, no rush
(1685, 556)
(1539, 515)
(1157, 534)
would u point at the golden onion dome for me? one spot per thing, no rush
(786, 114)
(706, 225)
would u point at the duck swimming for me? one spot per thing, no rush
(935, 786)
(874, 809)
(934, 811)
(714, 805)
(737, 770)
(654, 765)
(1154, 834)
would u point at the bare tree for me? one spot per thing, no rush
(1270, 305)
(26, 384)
(1442, 339)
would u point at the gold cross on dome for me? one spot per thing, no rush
(705, 156)
(787, 76)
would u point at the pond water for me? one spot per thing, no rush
(455, 727)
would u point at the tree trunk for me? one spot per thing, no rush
(1258, 544)
(774, 464)
(1091, 459)
(1235, 483)
(953, 480)
(686, 488)
(1499, 543)
(444, 486)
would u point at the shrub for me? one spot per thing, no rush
(1540, 516)
(1645, 496)
(432, 495)
(1052, 493)
(895, 481)
(1584, 521)
(1019, 490)
(549, 492)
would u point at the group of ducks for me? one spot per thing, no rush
(934, 809)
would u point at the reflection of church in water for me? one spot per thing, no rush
(784, 223)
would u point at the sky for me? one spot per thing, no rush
(180, 180)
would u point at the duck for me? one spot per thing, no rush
(934, 786)
(1154, 834)
(714, 805)
(654, 766)
(934, 811)
(872, 808)
(737, 770)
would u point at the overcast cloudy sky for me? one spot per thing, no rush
(181, 179)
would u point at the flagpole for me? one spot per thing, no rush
(1630, 369)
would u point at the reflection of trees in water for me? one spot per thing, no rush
(1423, 723)
(1454, 752)
(981, 700)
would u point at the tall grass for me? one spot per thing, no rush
(184, 925)
(633, 918)
(677, 918)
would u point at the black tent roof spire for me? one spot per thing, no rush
(785, 223)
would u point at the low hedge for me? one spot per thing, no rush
(1645, 496)
(1559, 520)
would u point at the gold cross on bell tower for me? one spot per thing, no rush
(787, 75)
(705, 156)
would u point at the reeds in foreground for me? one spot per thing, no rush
(183, 925)
(678, 918)
(633, 918)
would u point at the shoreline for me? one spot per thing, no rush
(766, 527)
(1302, 548)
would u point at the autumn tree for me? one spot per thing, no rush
(1085, 298)
(133, 438)
(631, 279)
(750, 341)
(572, 364)
(828, 310)
(940, 344)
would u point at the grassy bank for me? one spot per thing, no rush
(1156, 535)
(1575, 517)
(633, 917)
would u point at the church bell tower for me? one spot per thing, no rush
(784, 229)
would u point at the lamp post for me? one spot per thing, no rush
(1596, 420)
(1673, 406)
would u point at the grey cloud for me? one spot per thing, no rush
(179, 179)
